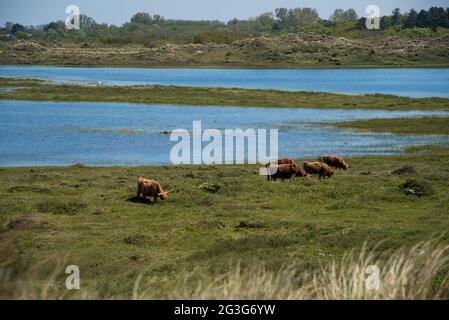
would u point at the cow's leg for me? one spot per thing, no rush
(154, 200)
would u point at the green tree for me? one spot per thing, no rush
(396, 17)
(412, 19)
(54, 26)
(142, 18)
(281, 13)
(350, 15)
(438, 18)
(158, 19)
(341, 15)
(9, 25)
(337, 16)
(17, 28)
(87, 23)
(307, 17)
(385, 22)
(424, 19)
(264, 22)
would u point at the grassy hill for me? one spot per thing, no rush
(289, 50)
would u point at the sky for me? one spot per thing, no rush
(32, 12)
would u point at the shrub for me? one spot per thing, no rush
(404, 170)
(417, 187)
(210, 187)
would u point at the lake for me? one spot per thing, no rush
(64, 133)
(411, 82)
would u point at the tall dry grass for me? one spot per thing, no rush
(413, 273)
(418, 272)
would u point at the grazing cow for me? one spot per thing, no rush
(285, 161)
(336, 162)
(278, 162)
(151, 188)
(316, 167)
(286, 171)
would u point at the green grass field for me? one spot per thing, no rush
(89, 217)
(32, 89)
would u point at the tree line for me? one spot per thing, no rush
(150, 30)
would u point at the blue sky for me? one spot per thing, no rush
(32, 12)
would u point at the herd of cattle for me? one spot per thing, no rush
(284, 168)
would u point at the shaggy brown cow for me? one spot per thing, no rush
(151, 188)
(316, 167)
(285, 161)
(278, 162)
(336, 162)
(286, 171)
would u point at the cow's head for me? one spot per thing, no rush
(164, 195)
(345, 166)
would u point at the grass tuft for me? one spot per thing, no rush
(62, 207)
(418, 188)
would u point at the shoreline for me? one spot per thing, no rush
(408, 150)
(243, 67)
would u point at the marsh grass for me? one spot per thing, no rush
(44, 91)
(420, 125)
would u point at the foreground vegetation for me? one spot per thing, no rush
(51, 217)
(421, 125)
(37, 90)
(407, 273)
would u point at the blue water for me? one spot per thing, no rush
(411, 82)
(63, 133)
